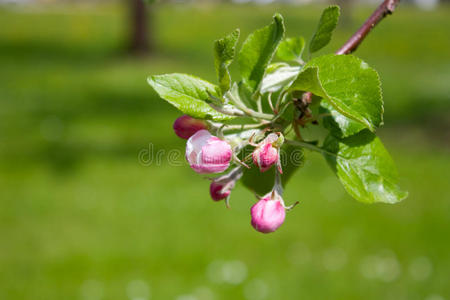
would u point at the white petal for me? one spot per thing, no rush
(194, 146)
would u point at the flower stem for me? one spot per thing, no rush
(248, 111)
(243, 127)
(259, 104)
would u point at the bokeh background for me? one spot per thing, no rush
(83, 214)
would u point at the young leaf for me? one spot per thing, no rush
(339, 125)
(292, 158)
(224, 50)
(347, 83)
(257, 52)
(188, 94)
(364, 167)
(279, 77)
(291, 49)
(327, 24)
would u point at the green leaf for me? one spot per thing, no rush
(257, 52)
(338, 124)
(292, 158)
(279, 77)
(324, 31)
(246, 95)
(224, 50)
(291, 49)
(347, 83)
(364, 167)
(188, 94)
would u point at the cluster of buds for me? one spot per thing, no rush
(209, 154)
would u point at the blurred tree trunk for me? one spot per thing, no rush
(140, 38)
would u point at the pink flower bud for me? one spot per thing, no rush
(185, 126)
(207, 153)
(266, 154)
(268, 213)
(218, 192)
(221, 187)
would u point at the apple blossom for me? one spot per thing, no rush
(207, 153)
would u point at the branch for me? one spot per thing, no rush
(386, 8)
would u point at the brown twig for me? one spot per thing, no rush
(386, 8)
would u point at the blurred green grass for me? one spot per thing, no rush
(81, 218)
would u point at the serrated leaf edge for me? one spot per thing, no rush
(218, 116)
(318, 26)
(363, 120)
(224, 64)
(278, 20)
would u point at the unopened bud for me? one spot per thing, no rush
(207, 153)
(268, 214)
(221, 187)
(267, 153)
(186, 126)
(217, 192)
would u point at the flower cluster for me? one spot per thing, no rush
(286, 99)
(208, 154)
